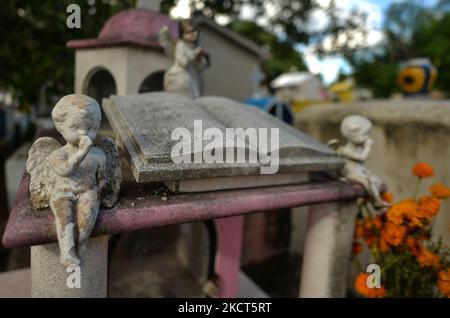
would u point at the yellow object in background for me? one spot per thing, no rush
(417, 76)
(412, 79)
(298, 106)
(343, 90)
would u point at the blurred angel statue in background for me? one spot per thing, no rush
(184, 77)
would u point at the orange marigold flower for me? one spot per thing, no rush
(427, 258)
(393, 234)
(362, 288)
(440, 191)
(413, 245)
(365, 230)
(378, 222)
(423, 170)
(388, 197)
(367, 223)
(397, 213)
(444, 282)
(359, 229)
(369, 238)
(384, 246)
(417, 220)
(428, 206)
(357, 248)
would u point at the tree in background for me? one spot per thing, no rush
(283, 56)
(35, 62)
(433, 41)
(411, 30)
(282, 25)
(33, 35)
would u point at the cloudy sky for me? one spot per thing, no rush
(329, 66)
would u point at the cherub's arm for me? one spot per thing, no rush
(366, 150)
(64, 165)
(349, 153)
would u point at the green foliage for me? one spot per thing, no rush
(287, 26)
(380, 77)
(283, 56)
(33, 52)
(34, 57)
(290, 17)
(433, 40)
(404, 277)
(411, 30)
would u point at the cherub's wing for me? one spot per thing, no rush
(166, 41)
(111, 173)
(333, 143)
(42, 175)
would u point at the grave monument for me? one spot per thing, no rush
(144, 125)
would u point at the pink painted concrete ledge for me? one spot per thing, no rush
(140, 208)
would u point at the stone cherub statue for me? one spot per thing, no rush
(356, 129)
(184, 77)
(74, 179)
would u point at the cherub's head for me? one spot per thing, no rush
(188, 31)
(356, 128)
(77, 115)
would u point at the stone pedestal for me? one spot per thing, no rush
(327, 249)
(50, 278)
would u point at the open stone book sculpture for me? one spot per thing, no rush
(147, 127)
(74, 179)
(356, 129)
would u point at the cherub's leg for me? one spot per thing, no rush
(374, 192)
(365, 181)
(62, 208)
(87, 211)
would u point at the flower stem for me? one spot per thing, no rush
(416, 190)
(357, 264)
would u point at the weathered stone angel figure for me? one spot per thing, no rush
(74, 179)
(356, 129)
(184, 77)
